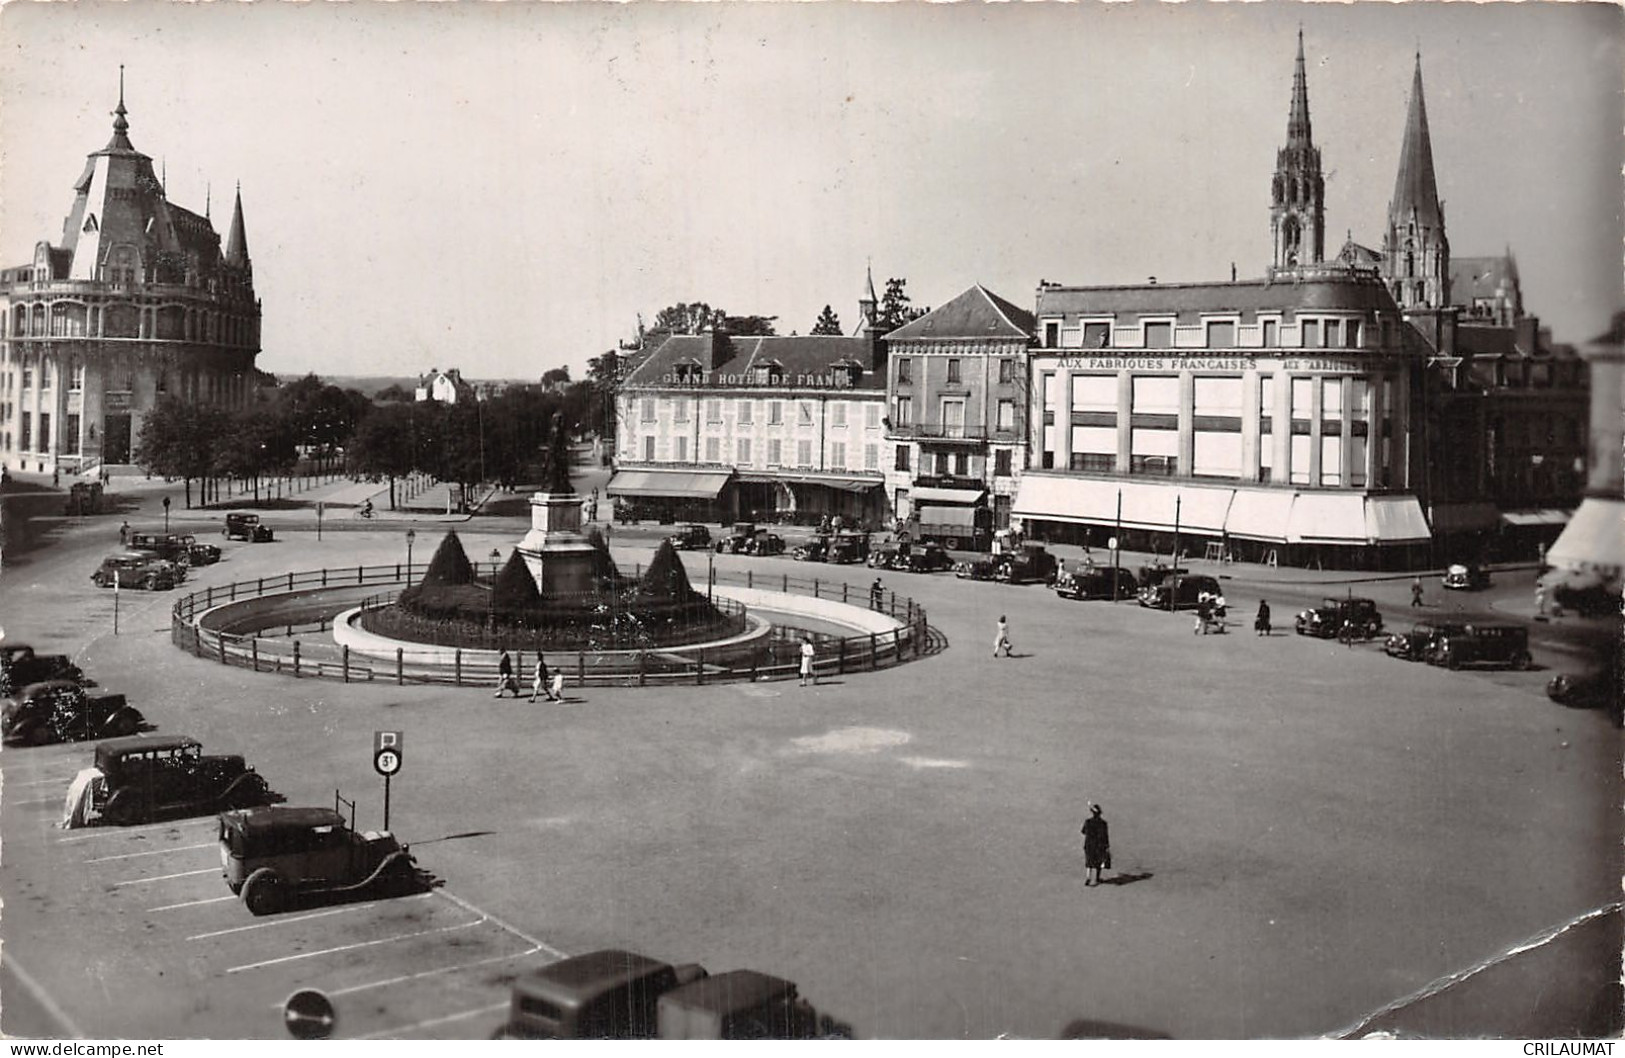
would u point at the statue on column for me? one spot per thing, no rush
(557, 459)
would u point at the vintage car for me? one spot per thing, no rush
(61, 711)
(765, 543)
(1096, 582)
(738, 539)
(138, 569)
(814, 550)
(274, 855)
(848, 548)
(1154, 574)
(622, 995)
(924, 558)
(979, 568)
(1596, 686)
(1501, 645)
(180, 548)
(141, 779)
(86, 497)
(242, 526)
(1028, 564)
(1592, 600)
(1180, 591)
(1332, 616)
(1418, 643)
(1466, 577)
(21, 666)
(690, 536)
(885, 556)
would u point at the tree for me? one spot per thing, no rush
(828, 323)
(515, 591)
(604, 370)
(385, 445)
(747, 326)
(894, 307)
(449, 565)
(557, 376)
(178, 440)
(685, 318)
(394, 392)
(256, 441)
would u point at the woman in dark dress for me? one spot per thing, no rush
(1261, 624)
(1097, 846)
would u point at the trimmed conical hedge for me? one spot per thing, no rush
(515, 588)
(603, 566)
(666, 578)
(449, 566)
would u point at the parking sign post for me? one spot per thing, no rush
(387, 748)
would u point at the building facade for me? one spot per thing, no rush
(138, 301)
(720, 428)
(958, 400)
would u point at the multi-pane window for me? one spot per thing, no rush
(682, 449)
(775, 412)
(1094, 448)
(803, 453)
(681, 414)
(903, 412)
(26, 434)
(649, 449)
(713, 411)
(745, 412)
(1272, 334)
(837, 455)
(805, 412)
(1001, 463)
(1331, 459)
(903, 369)
(871, 415)
(871, 457)
(1097, 335)
(1159, 334)
(900, 464)
(1007, 370)
(961, 463)
(713, 449)
(953, 418)
(837, 413)
(775, 452)
(1153, 451)
(1007, 415)
(648, 410)
(953, 370)
(1221, 334)
(743, 446)
(1311, 334)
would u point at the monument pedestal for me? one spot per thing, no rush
(558, 556)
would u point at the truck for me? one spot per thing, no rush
(955, 527)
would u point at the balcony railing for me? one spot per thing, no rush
(940, 431)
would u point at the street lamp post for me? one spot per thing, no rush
(166, 515)
(411, 535)
(496, 556)
(1117, 538)
(1173, 585)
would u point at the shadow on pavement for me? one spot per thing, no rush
(1128, 878)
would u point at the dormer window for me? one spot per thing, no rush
(769, 372)
(688, 371)
(852, 371)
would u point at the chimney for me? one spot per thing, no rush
(1528, 335)
(722, 346)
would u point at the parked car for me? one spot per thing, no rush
(1028, 564)
(21, 666)
(1501, 645)
(814, 550)
(1597, 686)
(182, 549)
(1593, 600)
(242, 526)
(273, 854)
(62, 711)
(690, 536)
(738, 539)
(1466, 577)
(143, 778)
(622, 995)
(1419, 642)
(848, 548)
(1095, 582)
(885, 556)
(765, 543)
(924, 558)
(978, 568)
(1179, 591)
(137, 569)
(1328, 620)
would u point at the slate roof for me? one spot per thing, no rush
(796, 354)
(976, 313)
(1483, 277)
(1328, 292)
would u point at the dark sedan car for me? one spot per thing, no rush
(691, 535)
(62, 711)
(1419, 642)
(1096, 583)
(924, 558)
(1332, 616)
(1181, 592)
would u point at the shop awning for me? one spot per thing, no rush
(934, 514)
(833, 481)
(1463, 517)
(699, 485)
(1065, 499)
(1540, 517)
(1260, 514)
(965, 497)
(1146, 505)
(1395, 520)
(1201, 510)
(1594, 540)
(1327, 518)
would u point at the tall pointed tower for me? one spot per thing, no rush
(1298, 192)
(237, 237)
(1416, 254)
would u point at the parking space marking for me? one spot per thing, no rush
(38, 782)
(92, 833)
(383, 1033)
(426, 973)
(521, 934)
(154, 852)
(353, 947)
(266, 923)
(167, 877)
(192, 903)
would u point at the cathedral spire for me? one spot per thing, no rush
(1415, 187)
(1298, 190)
(237, 239)
(121, 127)
(1416, 250)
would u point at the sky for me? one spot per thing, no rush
(504, 188)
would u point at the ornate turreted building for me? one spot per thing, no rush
(136, 302)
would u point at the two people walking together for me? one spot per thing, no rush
(543, 682)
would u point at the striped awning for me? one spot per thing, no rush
(680, 484)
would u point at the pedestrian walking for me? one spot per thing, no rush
(124, 535)
(1416, 591)
(877, 595)
(807, 661)
(1261, 623)
(1001, 640)
(505, 680)
(556, 691)
(1097, 846)
(538, 683)
(1540, 599)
